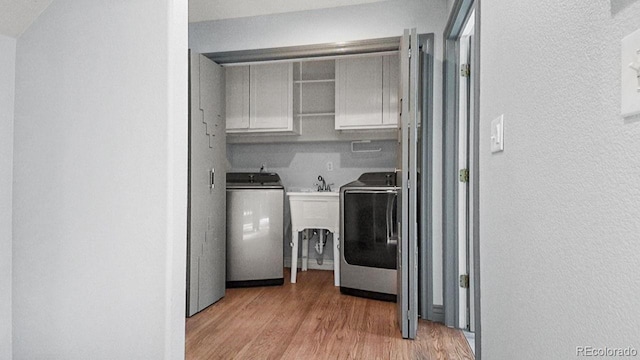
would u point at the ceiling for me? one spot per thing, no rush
(17, 15)
(205, 10)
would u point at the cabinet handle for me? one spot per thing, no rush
(212, 178)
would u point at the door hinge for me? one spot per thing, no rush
(409, 53)
(464, 175)
(465, 70)
(464, 281)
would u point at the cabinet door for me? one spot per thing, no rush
(358, 92)
(271, 106)
(391, 82)
(237, 91)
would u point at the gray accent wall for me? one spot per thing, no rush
(559, 208)
(100, 165)
(7, 96)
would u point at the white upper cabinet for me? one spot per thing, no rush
(351, 93)
(390, 86)
(237, 88)
(367, 92)
(260, 98)
(271, 95)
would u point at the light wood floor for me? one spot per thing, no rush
(312, 320)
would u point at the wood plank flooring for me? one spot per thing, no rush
(312, 320)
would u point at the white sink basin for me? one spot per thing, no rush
(314, 209)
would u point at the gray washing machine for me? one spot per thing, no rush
(255, 229)
(369, 231)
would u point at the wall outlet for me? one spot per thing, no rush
(329, 165)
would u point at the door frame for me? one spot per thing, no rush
(458, 17)
(427, 43)
(464, 152)
(332, 50)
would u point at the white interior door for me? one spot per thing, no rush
(207, 185)
(407, 199)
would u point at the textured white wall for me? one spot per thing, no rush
(348, 23)
(450, 4)
(100, 123)
(560, 208)
(7, 95)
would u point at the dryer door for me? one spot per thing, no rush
(370, 228)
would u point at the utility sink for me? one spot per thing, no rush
(314, 210)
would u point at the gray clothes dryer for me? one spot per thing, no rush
(369, 245)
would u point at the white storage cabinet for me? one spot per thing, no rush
(367, 92)
(260, 98)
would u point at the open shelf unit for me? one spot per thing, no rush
(314, 88)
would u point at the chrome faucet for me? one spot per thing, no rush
(323, 186)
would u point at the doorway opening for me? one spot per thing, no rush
(420, 134)
(460, 136)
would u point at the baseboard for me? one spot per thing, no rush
(438, 313)
(312, 264)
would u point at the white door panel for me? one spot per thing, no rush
(407, 197)
(207, 195)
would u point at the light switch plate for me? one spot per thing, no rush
(497, 134)
(630, 74)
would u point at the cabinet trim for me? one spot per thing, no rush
(304, 52)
